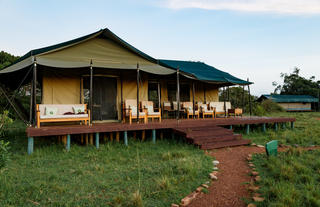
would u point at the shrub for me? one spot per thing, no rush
(4, 153)
(270, 106)
(4, 122)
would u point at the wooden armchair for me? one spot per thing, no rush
(188, 106)
(130, 111)
(219, 106)
(206, 112)
(151, 113)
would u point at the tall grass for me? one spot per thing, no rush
(142, 174)
(305, 133)
(291, 179)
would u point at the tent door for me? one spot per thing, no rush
(104, 98)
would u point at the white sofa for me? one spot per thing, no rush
(60, 111)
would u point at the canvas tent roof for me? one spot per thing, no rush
(289, 98)
(204, 72)
(92, 46)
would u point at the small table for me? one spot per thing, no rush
(235, 112)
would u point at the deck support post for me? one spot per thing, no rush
(125, 137)
(248, 129)
(284, 125)
(230, 127)
(105, 138)
(143, 135)
(111, 136)
(264, 129)
(68, 142)
(91, 139)
(30, 145)
(97, 140)
(154, 136)
(118, 136)
(161, 135)
(87, 139)
(172, 135)
(292, 125)
(275, 126)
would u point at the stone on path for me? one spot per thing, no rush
(215, 162)
(261, 146)
(258, 199)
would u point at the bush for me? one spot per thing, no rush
(4, 122)
(4, 153)
(270, 106)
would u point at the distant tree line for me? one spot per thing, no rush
(294, 84)
(7, 59)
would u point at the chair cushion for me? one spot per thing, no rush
(154, 113)
(150, 109)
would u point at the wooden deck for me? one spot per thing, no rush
(204, 133)
(165, 124)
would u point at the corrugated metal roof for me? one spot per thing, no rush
(290, 98)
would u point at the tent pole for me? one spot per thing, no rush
(159, 95)
(250, 104)
(204, 93)
(224, 102)
(121, 91)
(193, 105)
(34, 91)
(138, 74)
(91, 92)
(243, 97)
(228, 93)
(31, 103)
(178, 93)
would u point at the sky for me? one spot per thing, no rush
(255, 39)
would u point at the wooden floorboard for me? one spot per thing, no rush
(165, 124)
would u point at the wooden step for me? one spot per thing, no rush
(231, 143)
(210, 139)
(209, 133)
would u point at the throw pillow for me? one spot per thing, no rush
(51, 111)
(78, 109)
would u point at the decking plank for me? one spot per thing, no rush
(165, 124)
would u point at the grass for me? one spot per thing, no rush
(291, 179)
(142, 174)
(305, 133)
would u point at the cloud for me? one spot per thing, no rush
(269, 6)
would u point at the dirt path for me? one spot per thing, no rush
(230, 187)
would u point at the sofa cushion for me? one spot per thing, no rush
(63, 116)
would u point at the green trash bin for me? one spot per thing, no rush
(272, 148)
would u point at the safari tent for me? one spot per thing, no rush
(102, 70)
(292, 102)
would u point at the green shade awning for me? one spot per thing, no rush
(289, 98)
(204, 72)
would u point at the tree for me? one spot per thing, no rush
(294, 84)
(7, 59)
(238, 97)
